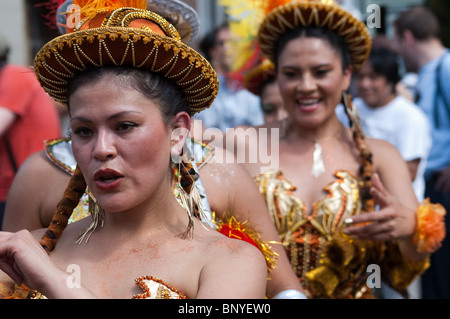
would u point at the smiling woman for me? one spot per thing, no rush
(131, 86)
(323, 195)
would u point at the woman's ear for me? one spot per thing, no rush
(347, 78)
(180, 132)
(409, 38)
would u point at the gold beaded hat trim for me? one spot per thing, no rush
(126, 37)
(316, 13)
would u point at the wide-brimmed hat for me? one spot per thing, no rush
(182, 16)
(125, 36)
(315, 13)
(260, 74)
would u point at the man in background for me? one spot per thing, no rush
(28, 116)
(417, 40)
(234, 105)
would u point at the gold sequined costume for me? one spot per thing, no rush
(328, 263)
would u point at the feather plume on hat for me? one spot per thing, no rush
(90, 8)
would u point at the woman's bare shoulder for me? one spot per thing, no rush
(384, 153)
(221, 248)
(232, 263)
(37, 164)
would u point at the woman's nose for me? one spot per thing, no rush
(104, 147)
(306, 84)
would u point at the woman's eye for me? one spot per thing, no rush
(125, 126)
(289, 74)
(321, 73)
(82, 132)
(268, 108)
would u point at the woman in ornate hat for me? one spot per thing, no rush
(342, 203)
(234, 192)
(131, 86)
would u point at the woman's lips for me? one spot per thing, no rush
(107, 179)
(308, 105)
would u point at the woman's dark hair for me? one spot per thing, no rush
(385, 62)
(154, 86)
(336, 42)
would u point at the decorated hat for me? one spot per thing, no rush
(328, 14)
(125, 33)
(183, 17)
(256, 77)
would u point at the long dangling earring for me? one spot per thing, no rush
(352, 113)
(98, 217)
(189, 196)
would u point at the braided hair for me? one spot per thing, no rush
(366, 167)
(72, 195)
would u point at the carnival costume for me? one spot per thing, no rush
(328, 263)
(127, 33)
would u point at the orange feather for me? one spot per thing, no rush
(90, 8)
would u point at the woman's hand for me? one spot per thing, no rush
(24, 260)
(392, 221)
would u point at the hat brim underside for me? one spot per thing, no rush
(316, 14)
(257, 77)
(69, 54)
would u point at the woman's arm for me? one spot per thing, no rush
(393, 192)
(24, 260)
(231, 189)
(237, 271)
(34, 194)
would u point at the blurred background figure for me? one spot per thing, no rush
(28, 117)
(417, 39)
(234, 105)
(389, 116)
(261, 81)
(214, 47)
